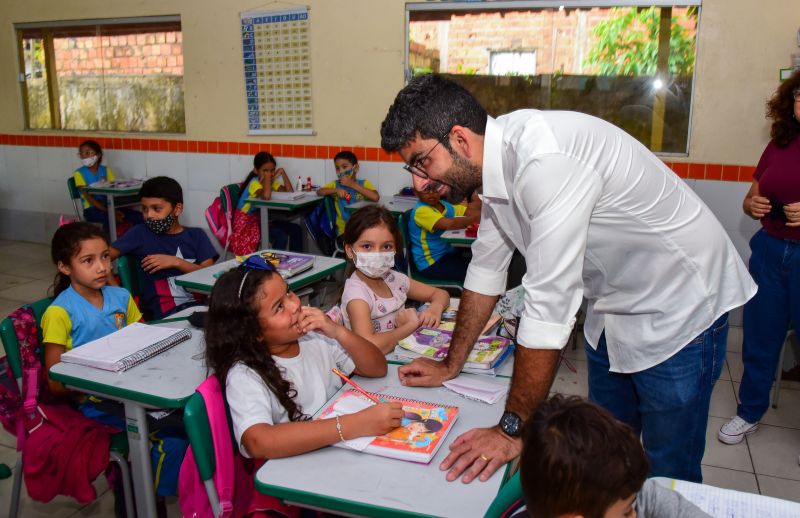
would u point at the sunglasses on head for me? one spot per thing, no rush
(254, 262)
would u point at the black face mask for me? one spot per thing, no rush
(160, 226)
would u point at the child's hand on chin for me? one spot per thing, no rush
(313, 319)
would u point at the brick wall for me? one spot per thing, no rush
(132, 54)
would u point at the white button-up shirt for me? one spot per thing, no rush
(597, 215)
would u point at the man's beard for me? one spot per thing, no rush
(462, 179)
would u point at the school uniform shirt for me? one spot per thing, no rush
(160, 294)
(84, 176)
(250, 191)
(382, 311)
(427, 246)
(342, 214)
(597, 215)
(72, 321)
(251, 402)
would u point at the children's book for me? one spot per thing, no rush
(448, 322)
(126, 347)
(488, 352)
(289, 264)
(423, 428)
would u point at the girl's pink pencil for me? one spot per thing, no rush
(355, 385)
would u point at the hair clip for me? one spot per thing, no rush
(254, 262)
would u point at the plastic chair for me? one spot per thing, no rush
(508, 495)
(75, 196)
(130, 275)
(235, 191)
(119, 442)
(413, 272)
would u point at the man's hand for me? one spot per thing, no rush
(478, 453)
(424, 372)
(156, 262)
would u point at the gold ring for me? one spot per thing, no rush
(484, 457)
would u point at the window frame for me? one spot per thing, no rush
(48, 30)
(456, 5)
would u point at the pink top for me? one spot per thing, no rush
(382, 310)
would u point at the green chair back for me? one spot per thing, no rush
(9, 336)
(509, 493)
(131, 275)
(74, 193)
(198, 429)
(413, 272)
(236, 193)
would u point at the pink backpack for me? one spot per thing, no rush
(234, 475)
(219, 215)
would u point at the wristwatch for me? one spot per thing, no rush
(511, 424)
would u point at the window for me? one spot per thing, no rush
(630, 65)
(103, 75)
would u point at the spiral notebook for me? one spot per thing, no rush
(423, 428)
(127, 347)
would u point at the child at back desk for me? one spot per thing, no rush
(164, 249)
(432, 256)
(274, 359)
(85, 309)
(374, 296)
(265, 178)
(347, 189)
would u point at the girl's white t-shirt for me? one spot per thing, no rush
(252, 402)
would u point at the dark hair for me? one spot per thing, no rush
(431, 425)
(66, 244)
(260, 158)
(346, 155)
(780, 108)
(429, 106)
(233, 335)
(95, 146)
(368, 217)
(577, 459)
(162, 187)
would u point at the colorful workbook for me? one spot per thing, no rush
(448, 322)
(126, 347)
(288, 264)
(488, 352)
(423, 429)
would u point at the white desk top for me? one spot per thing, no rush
(308, 198)
(394, 205)
(457, 237)
(361, 484)
(203, 280)
(164, 381)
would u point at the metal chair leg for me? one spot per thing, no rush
(127, 487)
(16, 488)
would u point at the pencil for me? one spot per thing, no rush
(355, 385)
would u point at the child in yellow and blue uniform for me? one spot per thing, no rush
(85, 309)
(261, 182)
(347, 189)
(93, 171)
(433, 257)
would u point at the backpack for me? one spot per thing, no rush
(321, 229)
(234, 475)
(219, 215)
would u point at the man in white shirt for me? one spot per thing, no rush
(595, 215)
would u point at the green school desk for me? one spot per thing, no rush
(164, 381)
(202, 280)
(395, 205)
(359, 484)
(457, 238)
(307, 200)
(116, 189)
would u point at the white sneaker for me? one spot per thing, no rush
(733, 431)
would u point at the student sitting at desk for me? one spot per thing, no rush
(347, 189)
(92, 171)
(265, 178)
(578, 461)
(85, 309)
(274, 358)
(374, 296)
(164, 249)
(431, 216)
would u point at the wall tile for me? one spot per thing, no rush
(127, 164)
(55, 197)
(56, 163)
(167, 164)
(724, 199)
(239, 166)
(393, 178)
(195, 204)
(22, 164)
(207, 172)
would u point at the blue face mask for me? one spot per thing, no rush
(348, 172)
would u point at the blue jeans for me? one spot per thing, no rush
(667, 403)
(775, 267)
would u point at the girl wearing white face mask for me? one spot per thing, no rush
(374, 296)
(92, 171)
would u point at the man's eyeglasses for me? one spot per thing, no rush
(254, 262)
(416, 168)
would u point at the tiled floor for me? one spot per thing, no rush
(766, 463)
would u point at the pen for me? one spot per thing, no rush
(355, 385)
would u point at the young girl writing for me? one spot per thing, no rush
(275, 357)
(265, 178)
(374, 296)
(92, 171)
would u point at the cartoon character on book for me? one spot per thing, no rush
(416, 430)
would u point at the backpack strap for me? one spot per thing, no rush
(224, 478)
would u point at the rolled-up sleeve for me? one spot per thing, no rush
(557, 195)
(491, 255)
